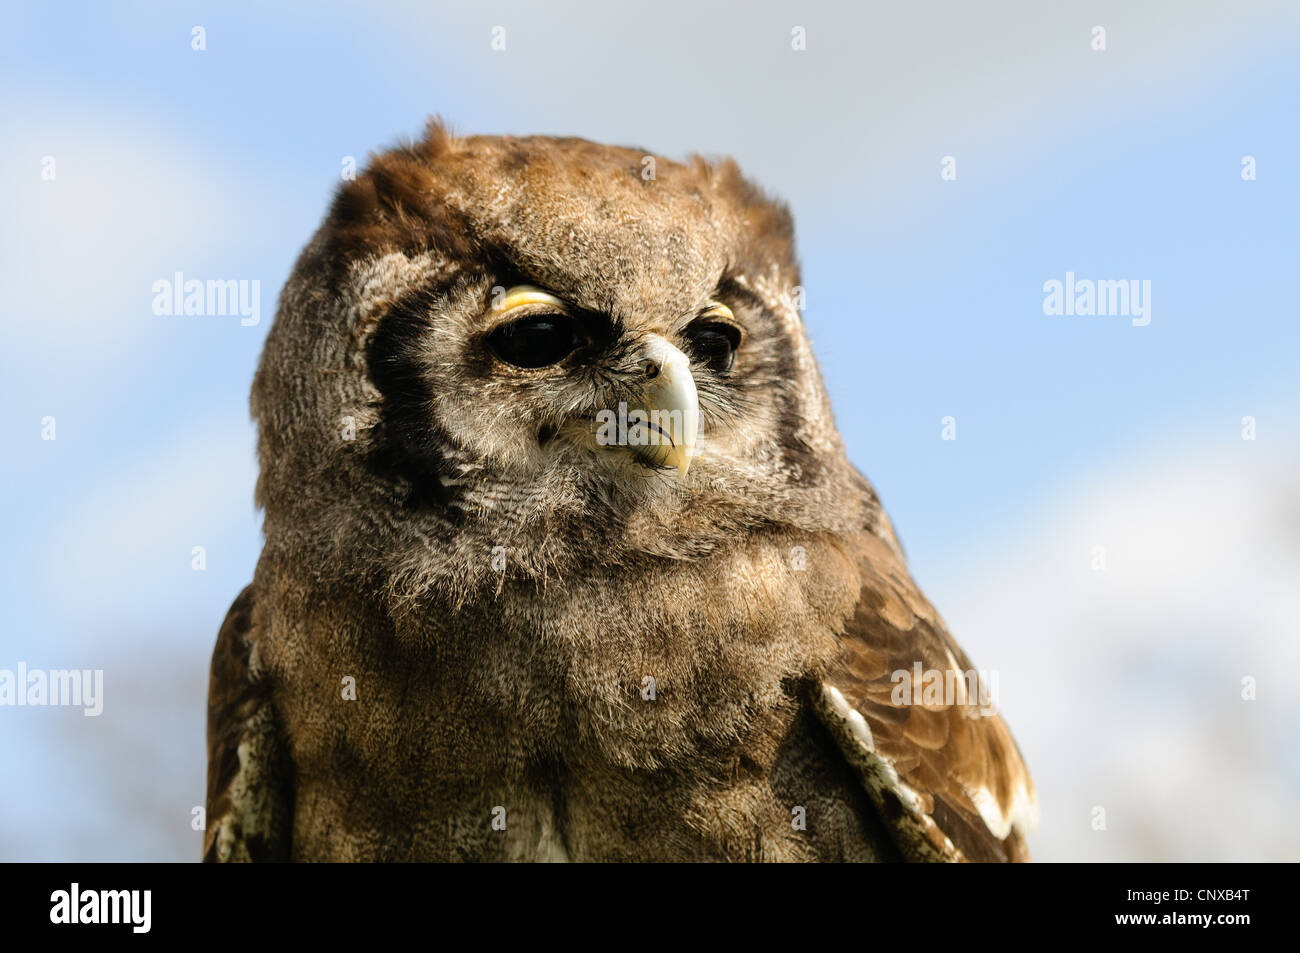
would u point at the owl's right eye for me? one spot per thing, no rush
(536, 341)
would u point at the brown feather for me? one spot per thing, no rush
(946, 753)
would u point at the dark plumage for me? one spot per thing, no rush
(621, 658)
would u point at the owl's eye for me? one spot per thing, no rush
(536, 341)
(713, 344)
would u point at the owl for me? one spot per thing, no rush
(564, 559)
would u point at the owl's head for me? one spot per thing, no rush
(545, 345)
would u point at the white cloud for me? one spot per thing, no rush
(1123, 685)
(881, 92)
(128, 205)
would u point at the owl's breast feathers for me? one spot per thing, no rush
(943, 774)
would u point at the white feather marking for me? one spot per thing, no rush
(861, 732)
(1022, 815)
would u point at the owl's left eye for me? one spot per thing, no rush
(713, 344)
(536, 341)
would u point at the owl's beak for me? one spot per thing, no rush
(672, 408)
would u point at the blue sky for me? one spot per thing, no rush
(924, 296)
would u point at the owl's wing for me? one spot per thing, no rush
(906, 710)
(250, 806)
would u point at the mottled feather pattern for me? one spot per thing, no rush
(248, 773)
(953, 754)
